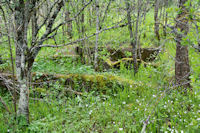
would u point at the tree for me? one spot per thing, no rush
(182, 67)
(67, 17)
(97, 35)
(165, 18)
(26, 53)
(133, 43)
(156, 19)
(27, 16)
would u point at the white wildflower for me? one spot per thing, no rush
(120, 129)
(191, 124)
(185, 112)
(90, 112)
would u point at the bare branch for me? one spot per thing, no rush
(5, 106)
(85, 38)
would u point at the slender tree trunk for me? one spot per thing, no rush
(133, 44)
(12, 61)
(198, 36)
(0, 27)
(83, 44)
(156, 19)
(137, 39)
(165, 19)
(90, 15)
(97, 36)
(182, 67)
(83, 19)
(67, 17)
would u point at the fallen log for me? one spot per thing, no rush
(79, 83)
(127, 62)
(147, 54)
(122, 54)
(99, 79)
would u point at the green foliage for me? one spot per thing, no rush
(122, 111)
(122, 108)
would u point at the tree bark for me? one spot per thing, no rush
(25, 54)
(133, 44)
(21, 27)
(198, 36)
(69, 24)
(97, 36)
(182, 67)
(156, 24)
(165, 18)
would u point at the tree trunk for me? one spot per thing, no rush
(165, 18)
(182, 67)
(134, 46)
(22, 18)
(25, 54)
(198, 36)
(69, 24)
(24, 60)
(156, 25)
(97, 36)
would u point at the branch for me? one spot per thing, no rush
(106, 11)
(45, 20)
(5, 106)
(72, 19)
(175, 31)
(85, 38)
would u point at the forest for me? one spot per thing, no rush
(99, 66)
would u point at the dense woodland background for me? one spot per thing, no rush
(99, 66)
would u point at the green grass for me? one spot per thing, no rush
(123, 111)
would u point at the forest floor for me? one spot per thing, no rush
(71, 97)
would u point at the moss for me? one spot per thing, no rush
(116, 64)
(40, 90)
(91, 82)
(98, 79)
(102, 80)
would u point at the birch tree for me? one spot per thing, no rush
(27, 16)
(26, 54)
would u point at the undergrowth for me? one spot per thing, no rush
(119, 109)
